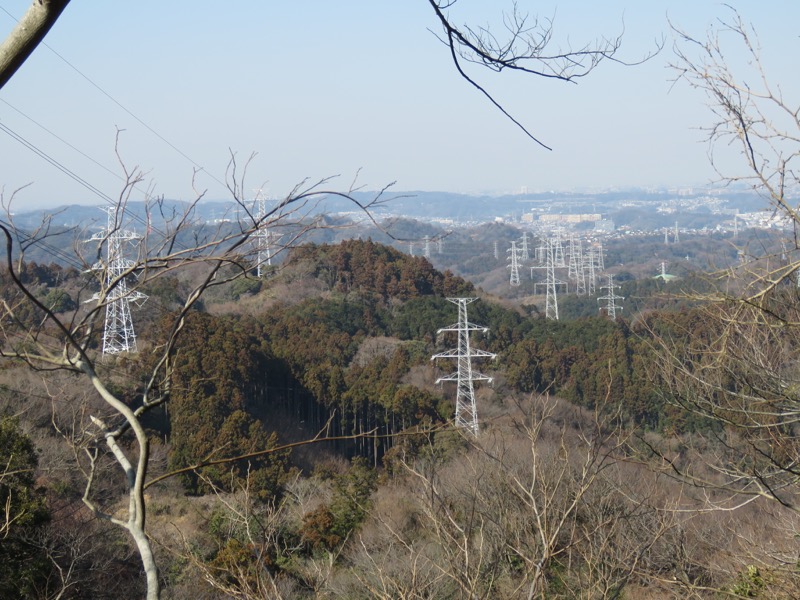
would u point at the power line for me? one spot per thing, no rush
(99, 88)
(42, 154)
(25, 237)
(67, 171)
(62, 140)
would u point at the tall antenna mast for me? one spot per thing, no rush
(118, 333)
(466, 412)
(611, 298)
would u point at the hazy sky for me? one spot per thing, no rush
(321, 88)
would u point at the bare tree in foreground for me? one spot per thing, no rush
(35, 334)
(741, 371)
(27, 35)
(540, 504)
(733, 366)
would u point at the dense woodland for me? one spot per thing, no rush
(580, 484)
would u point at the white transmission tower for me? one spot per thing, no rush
(263, 239)
(576, 265)
(551, 283)
(611, 299)
(574, 250)
(118, 333)
(558, 249)
(524, 253)
(427, 252)
(590, 267)
(466, 413)
(514, 266)
(551, 302)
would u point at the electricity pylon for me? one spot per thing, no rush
(514, 266)
(524, 254)
(558, 249)
(551, 303)
(611, 298)
(574, 251)
(262, 239)
(466, 413)
(427, 252)
(591, 271)
(551, 283)
(576, 265)
(118, 333)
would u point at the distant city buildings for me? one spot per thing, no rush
(570, 218)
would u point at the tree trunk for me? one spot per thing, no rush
(27, 35)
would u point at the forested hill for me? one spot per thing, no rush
(367, 267)
(337, 342)
(353, 355)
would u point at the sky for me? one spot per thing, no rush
(358, 90)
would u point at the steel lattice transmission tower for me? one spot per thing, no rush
(558, 249)
(611, 298)
(594, 265)
(551, 302)
(551, 283)
(263, 239)
(118, 333)
(574, 251)
(576, 266)
(466, 413)
(514, 266)
(524, 254)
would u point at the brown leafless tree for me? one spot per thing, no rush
(734, 367)
(34, 334)
(538, 503)
(741, 371)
